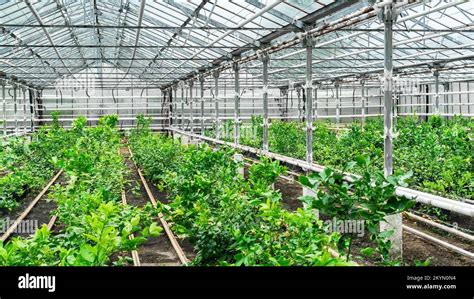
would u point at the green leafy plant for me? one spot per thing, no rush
(230, 221)
(439, 152)
(370, 198)
(94, 223)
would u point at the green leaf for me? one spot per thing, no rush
(135, 220)
(368, 251)
(87, 252)
(362, 160)
(305, 181)
(155, 230)
(92, 237)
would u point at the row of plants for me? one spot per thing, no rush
(231, 220)
(26, 166)
(93, 225)
(439, 152)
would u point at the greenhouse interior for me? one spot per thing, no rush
(237, 133)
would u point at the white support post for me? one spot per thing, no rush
(436, 102)
(215, 74)
(393, 222)
(445, 98)
(239, 158)
(32, 98)
(182, 107)
(338, 103)
(201, 85)
(175, 105)
(15, 107)
(309, 192)
(308, 44)
(265, 60)
(25, 129)
(363, 100)
(236, 67)
(191, 110)
(4, 109)
(170, 105)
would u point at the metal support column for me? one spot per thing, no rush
(182, 107)
(308, 43)
(436, 101)
(4, 109)
(393, 222)
(24, 109)
(201, 86)
(468, 98)
(265, 59)
(460, 99)
(175, 105)
(216, 102)
(235, 67)
(363, 101)
(170, 106)
(32, 96)
(191, 112)
(15, 107)
(338, 103)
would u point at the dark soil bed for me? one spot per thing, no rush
(157, 251)
(162, 197)
(41, 212)
(290, 193)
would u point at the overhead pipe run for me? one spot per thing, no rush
(366, 50)
(351, 19)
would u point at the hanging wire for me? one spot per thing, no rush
(61, 93)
